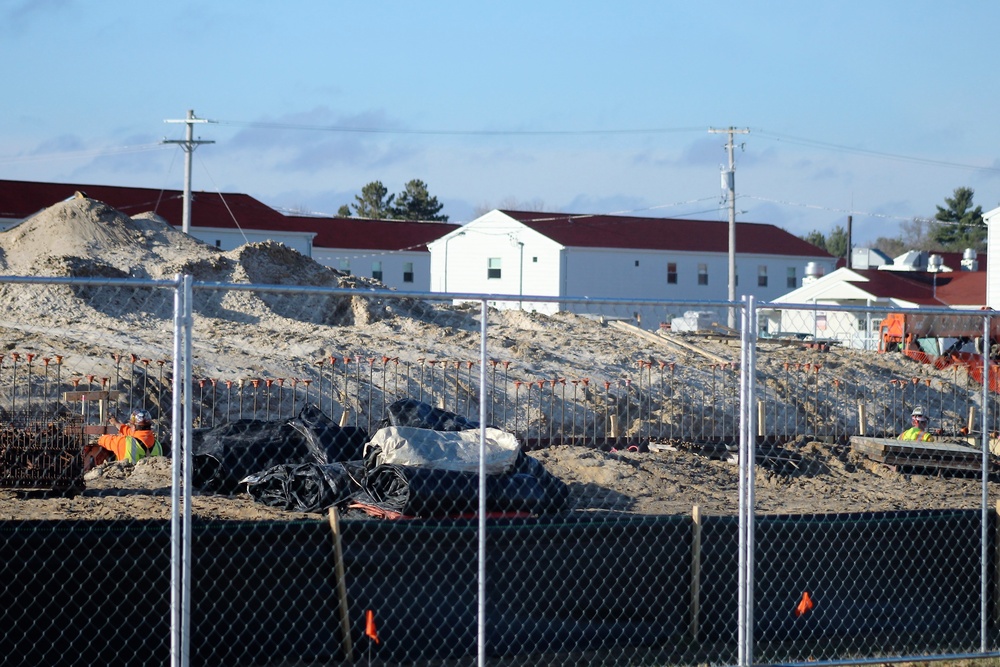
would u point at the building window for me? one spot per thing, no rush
(345, 266)
(407, 272)
(493, 268)
(762, 275)
(791, 282)
(218, 243)
(703, 274)
(377, 270)
(637, 262)
(534, 260)
(671, 273)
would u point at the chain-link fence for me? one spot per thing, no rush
(386, 478)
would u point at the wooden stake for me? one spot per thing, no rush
(861, 419)
(695, 570)
(614, 425)
(761, 413)
(972, 419)
(343, 417)
(338, 555)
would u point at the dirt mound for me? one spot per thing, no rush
(86, 238)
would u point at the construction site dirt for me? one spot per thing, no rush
(103, 340)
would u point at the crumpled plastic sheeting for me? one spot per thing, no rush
(411, 412)
(426, 492)
(225, 454)
(443, 450)
(306, 487)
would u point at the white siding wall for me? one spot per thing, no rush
(227, 239)
(529, 263)
(360, 262)
(606, 273)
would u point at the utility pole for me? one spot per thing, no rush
(729, 183)
(188, 144)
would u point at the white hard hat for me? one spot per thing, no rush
(918, 412)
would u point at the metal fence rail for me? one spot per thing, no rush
(506, 586)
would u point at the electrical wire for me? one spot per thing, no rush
(224, 202)
(841, 210)
(118, 150)
(461, 133)
(863, 151)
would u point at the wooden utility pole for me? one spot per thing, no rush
(188, 144)
(729, 183)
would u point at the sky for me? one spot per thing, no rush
(877, 110)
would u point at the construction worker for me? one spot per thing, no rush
(134, 440)
(918, 430)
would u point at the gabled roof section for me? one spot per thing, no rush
(369, 234)
(953, 288)
(20, 199)
(617, 231)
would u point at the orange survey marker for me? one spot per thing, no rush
(805, 604)
(370, 626)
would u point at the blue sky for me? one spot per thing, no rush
(874, 109)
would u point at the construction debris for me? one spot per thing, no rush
(916, 454)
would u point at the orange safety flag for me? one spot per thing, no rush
(805, 604)
(370, 626)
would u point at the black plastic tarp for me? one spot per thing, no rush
(411, 412)
(428, 492)
(306, 487)
(225, 454)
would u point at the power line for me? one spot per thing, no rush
(385, 130)
(831, 209)
(69, 155)
(864, 151)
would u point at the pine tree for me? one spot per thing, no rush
(374, 202)
(415, 203)
(962, 226)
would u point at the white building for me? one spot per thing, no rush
(875, 288)
(519, 253)
(392, 251)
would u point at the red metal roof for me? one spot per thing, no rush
(617, 231)
(19, 199)
(371, 234)
(954, 288)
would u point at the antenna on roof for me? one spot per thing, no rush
(189, 143)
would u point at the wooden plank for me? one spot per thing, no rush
(942, 455)
(339, 569)
(90, 429)
(102, 395)
(663, 340)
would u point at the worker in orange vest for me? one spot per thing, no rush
(919, 429)
(134, 440)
